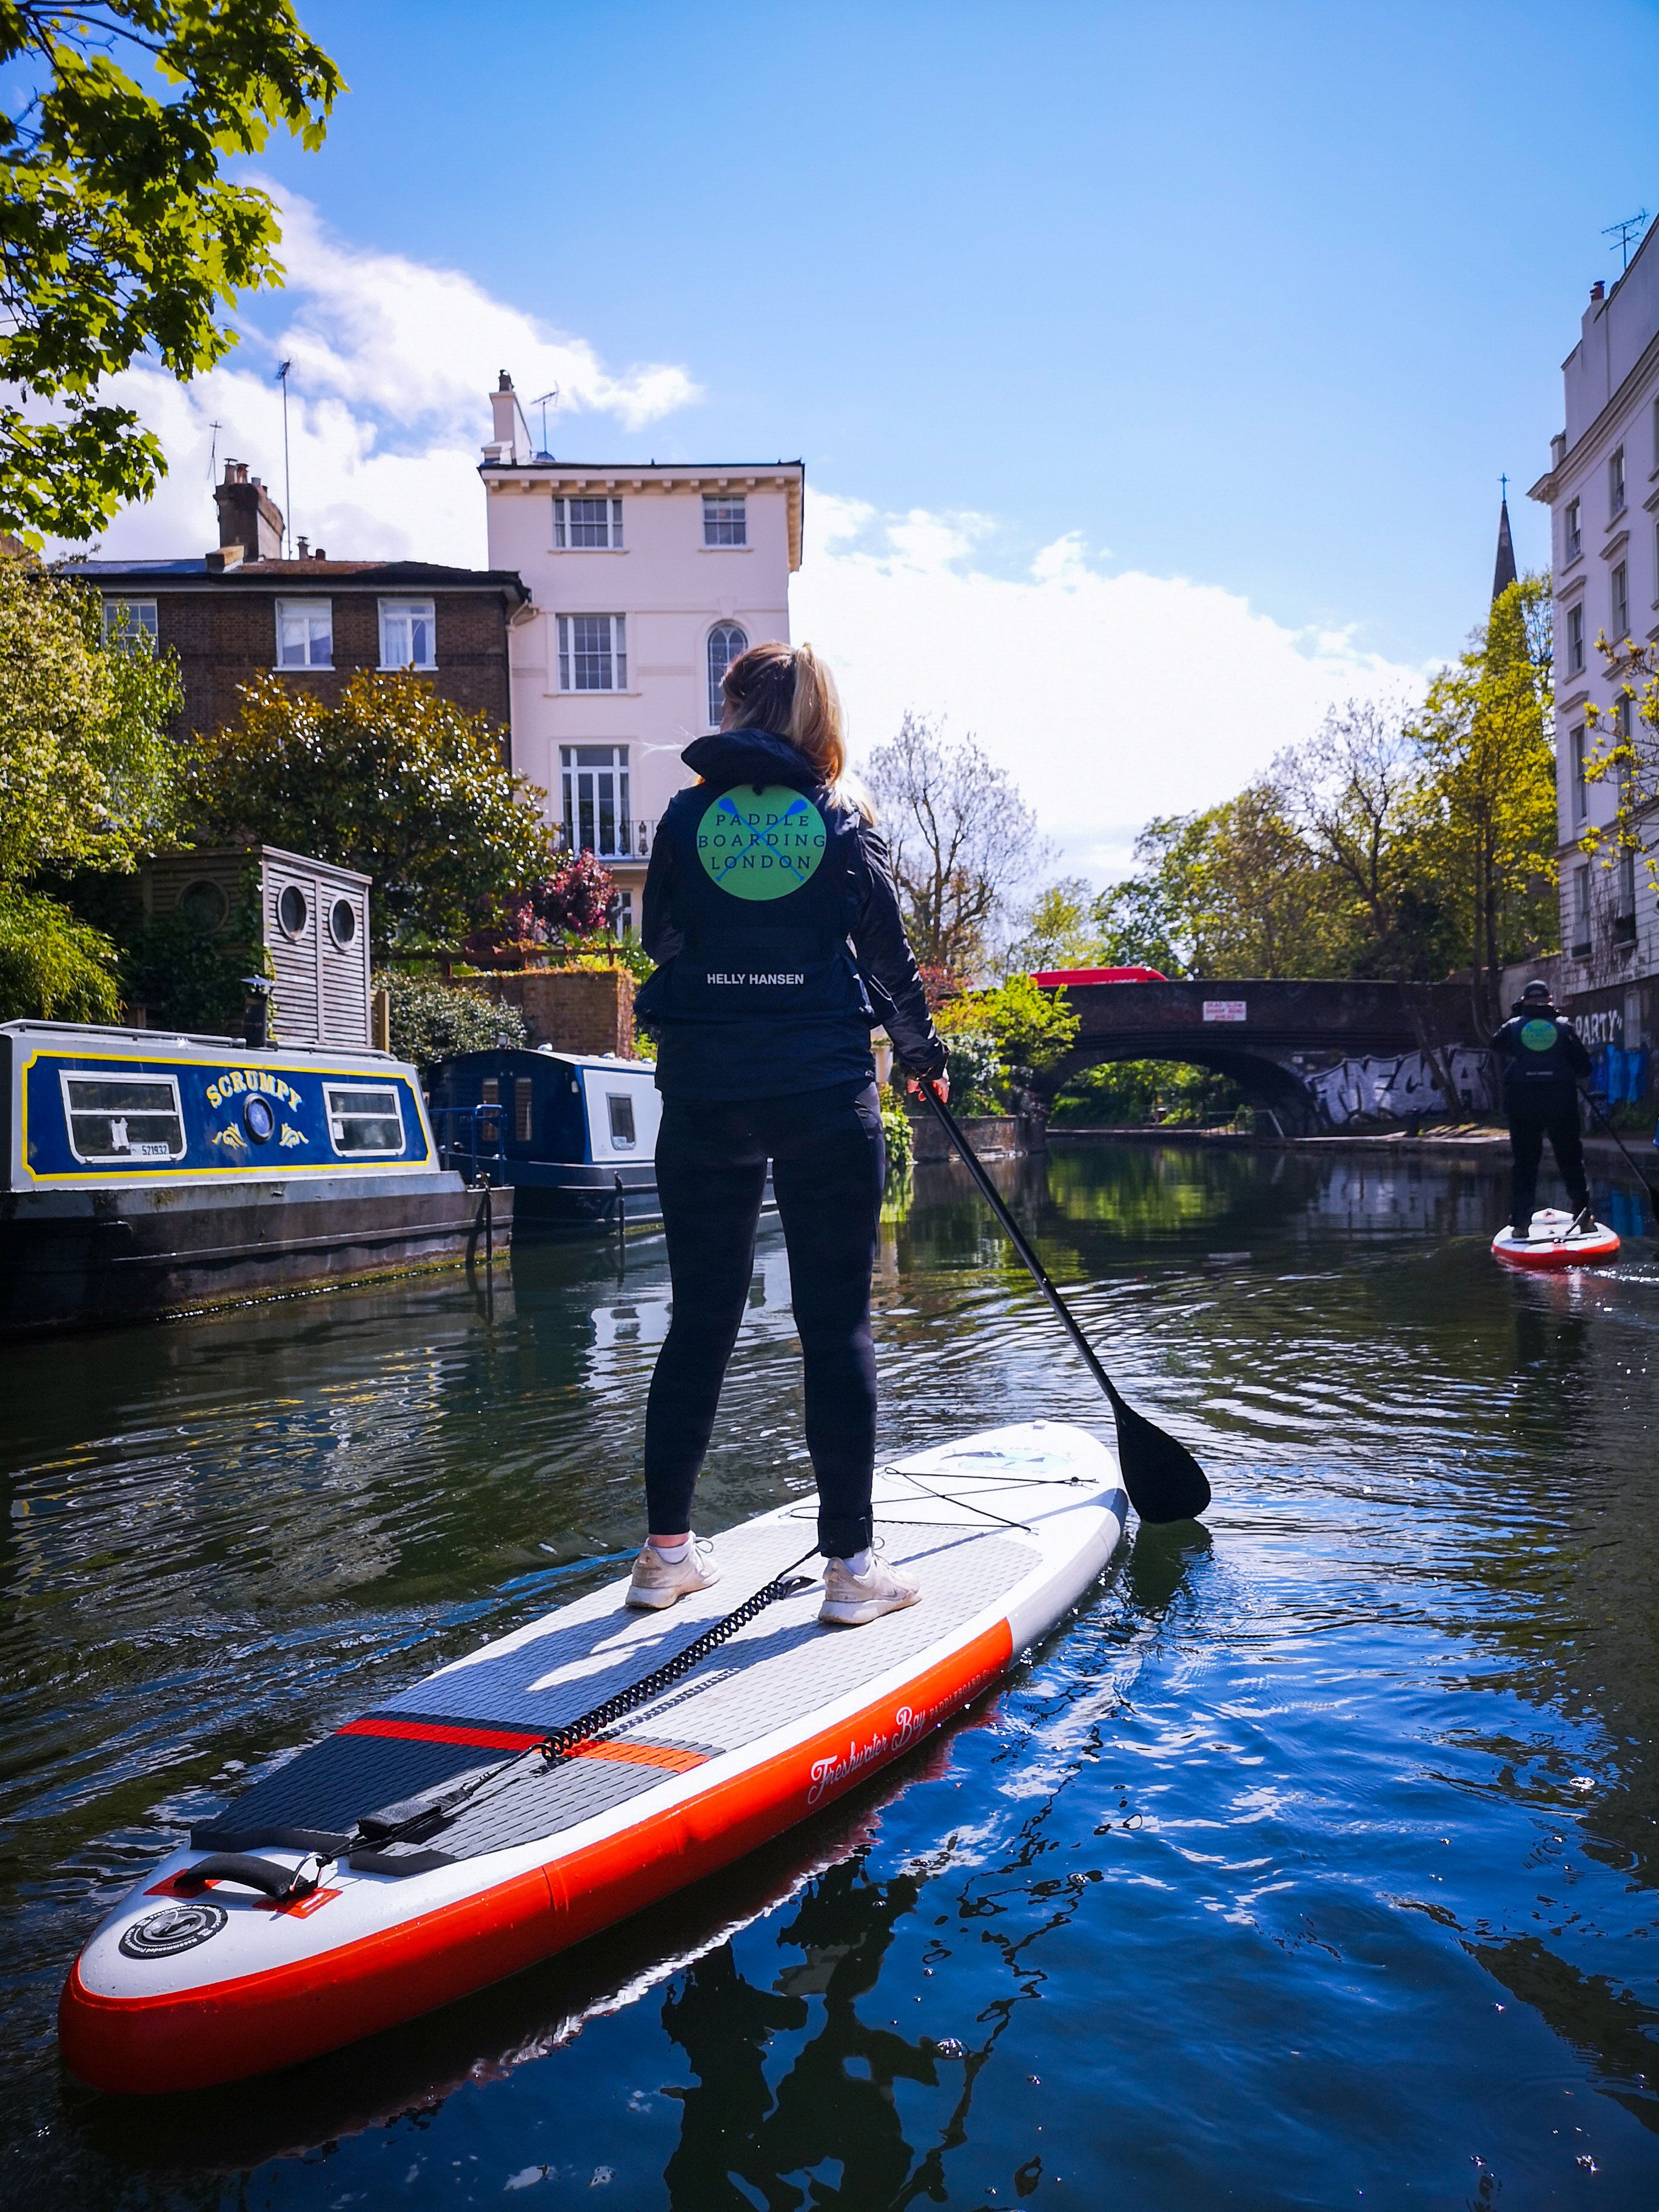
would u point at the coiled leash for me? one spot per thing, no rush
(286, 1886)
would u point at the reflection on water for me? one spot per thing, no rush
(1313, 1858)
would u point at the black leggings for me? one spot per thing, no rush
(1527, 1133)
(828, 1166)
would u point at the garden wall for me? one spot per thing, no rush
(584, 1010)
(993, 1136)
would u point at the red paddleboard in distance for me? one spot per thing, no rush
(1554, 1242)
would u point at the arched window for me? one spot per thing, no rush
(725, 642)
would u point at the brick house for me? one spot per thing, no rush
(243, 610)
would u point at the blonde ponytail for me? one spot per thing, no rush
(787, 690)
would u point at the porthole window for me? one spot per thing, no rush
(292, 911)
(206, 906)
(257, 1118)
(343, 922)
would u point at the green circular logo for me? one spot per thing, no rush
(1538, 1037)
(761, 844)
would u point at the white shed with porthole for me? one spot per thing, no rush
(311, 917)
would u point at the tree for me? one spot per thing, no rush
(1061, 930)
(89, 778)
(1354, 793)
(430, 1020)
(53, 967)
(119, 235)
(89, 772)
(394, 781)
(1136, 918)
(999, 1041)
(1488, 821)
(573, 903)
(1233, 890)
(961, 841)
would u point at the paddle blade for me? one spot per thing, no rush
(1163, 1480)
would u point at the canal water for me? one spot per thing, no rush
(1311, 1862)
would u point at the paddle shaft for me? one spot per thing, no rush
(1011, 1231)
(1630, 1158)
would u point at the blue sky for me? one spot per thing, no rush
(1154, 368)
(1269, 295)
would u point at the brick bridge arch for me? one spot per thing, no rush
(1271, 1038)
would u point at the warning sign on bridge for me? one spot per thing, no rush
(1225, 1010)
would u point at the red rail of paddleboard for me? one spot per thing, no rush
(258, 2023)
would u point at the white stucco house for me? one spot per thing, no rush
(646, 580)
(1602, 491)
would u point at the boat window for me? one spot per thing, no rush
(364, 1120)
(343, 922)
(124, 1117)
(523, 1094)
(622, 1119)
(292, 911)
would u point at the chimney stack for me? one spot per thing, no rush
(248, 518)
(1598, 291)
(504, 408)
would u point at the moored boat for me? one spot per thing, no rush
(572, 1136)
(144, 1173)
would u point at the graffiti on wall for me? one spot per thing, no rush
(1392, 1086)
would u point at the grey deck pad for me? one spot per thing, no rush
(779, 1667)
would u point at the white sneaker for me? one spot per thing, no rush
(657, 1581)
(850, 1600)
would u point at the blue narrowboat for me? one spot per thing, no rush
(573, 1136)
(142, 1173)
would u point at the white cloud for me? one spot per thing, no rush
(1108, 697)
(393, 363)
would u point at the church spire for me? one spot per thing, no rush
(1503, 572)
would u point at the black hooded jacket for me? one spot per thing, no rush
(1543, 1059)
(770, 909)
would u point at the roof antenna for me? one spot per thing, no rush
(288, 481)
(542, 402)
(213, 451)
(1622, 232)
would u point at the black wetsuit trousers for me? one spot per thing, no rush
(1530, 1125)
(828, 1165)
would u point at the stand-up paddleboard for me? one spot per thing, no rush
(1554, 1242)
(449, 1851)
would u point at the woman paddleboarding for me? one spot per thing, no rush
(770, 909)
(1543, 1060)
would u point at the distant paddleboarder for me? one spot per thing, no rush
(1544, 1060)
(770, 908)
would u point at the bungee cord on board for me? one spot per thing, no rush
(556, 1746)
(559, 1744)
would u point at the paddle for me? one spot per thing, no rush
(1651, 1189)
(1163, 1480)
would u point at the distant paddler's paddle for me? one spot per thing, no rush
(1651, 1189)
(1163, 1480)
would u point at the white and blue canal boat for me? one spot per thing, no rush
(572, 1136)
(145, 1173)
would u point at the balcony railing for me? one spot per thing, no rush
(618, 840)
